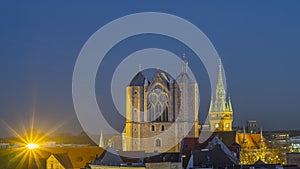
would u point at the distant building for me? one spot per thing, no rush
(69, 157)
(4, 146)
(293, 158)
(295, 143)
(121, 160)
(252, 127)
(278, 139)
(60, 161)
(227, 138)
(220, 111)
(216, 154)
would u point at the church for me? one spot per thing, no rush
(160, 111)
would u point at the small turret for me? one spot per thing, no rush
(229, 103)
(244, 141)
(101, 141)
(261, 140)
(184, 77)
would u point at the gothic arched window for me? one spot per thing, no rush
(157, 143)
(158, 104)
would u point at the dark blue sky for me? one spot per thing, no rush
(258, 42)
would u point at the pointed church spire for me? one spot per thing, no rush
(184, 64)
(244, 141)
(211, 104)
(220, 91)
(101, 141)
(229, 103)
(261, 140)
(261, 135)
(220, 78)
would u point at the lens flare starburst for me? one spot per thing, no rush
(28, 149)
(32, 146)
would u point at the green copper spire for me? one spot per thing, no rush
(244, 141)
(220, 91)
(229, 103)
(101, 141)
(211, 104)
(220, 78)
(261, 139)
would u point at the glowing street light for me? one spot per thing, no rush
(32, 146)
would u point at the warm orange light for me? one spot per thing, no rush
(32, 146)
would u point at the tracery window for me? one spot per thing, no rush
(158, 105)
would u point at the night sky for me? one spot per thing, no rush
(258, 42)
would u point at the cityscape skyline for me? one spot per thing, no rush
(258, 48)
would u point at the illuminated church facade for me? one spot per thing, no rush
(160, 111)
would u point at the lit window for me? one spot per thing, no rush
(217, 125)
(227, 125)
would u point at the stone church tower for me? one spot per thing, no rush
(220, 111)
(160, 111)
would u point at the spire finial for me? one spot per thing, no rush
(220, 80)
(261, 140)
(229, 103)
(220, 89)
(101, 142)
(140, 67)
(244, 141)
(185, 64)
(211, 104)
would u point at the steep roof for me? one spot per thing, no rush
(109, 157)
(216, 154)
(162, 77)
(252, 140)
(227, 137)
(163, 157)
(139, 80)
(184, 78)
(215, 142)
(216, 157)
(64, 160)
(78, 156)
(129, 156)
